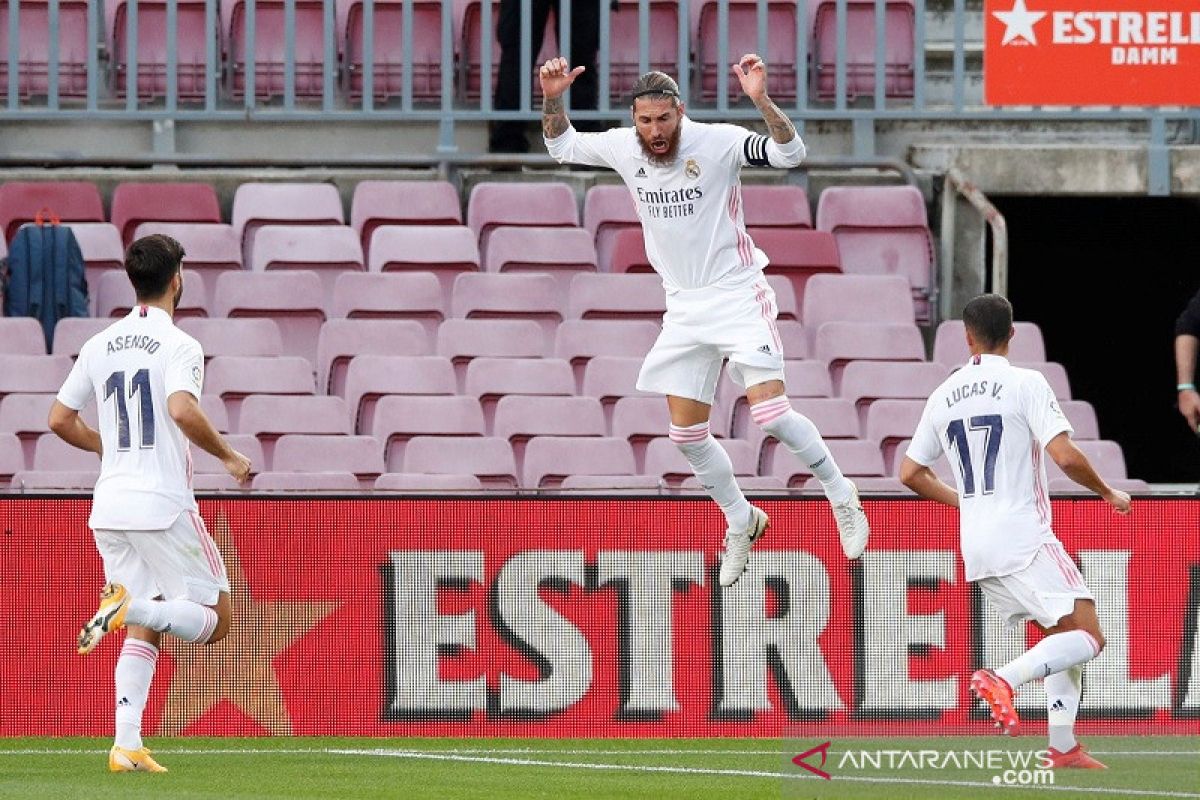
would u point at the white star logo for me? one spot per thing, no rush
(1019, 22)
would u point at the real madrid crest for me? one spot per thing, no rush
(691, 169)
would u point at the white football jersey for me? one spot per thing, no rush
(131, 368)
(691, 209)
(993, 421)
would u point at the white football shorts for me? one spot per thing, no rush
(704, 327)
(180, 563)
(1045, 591)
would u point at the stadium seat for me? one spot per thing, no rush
(33, 57)
(624, 40)
(370, 377)
(268, 416)
(899, 49)
(413, 482)
(550, 459)
(521, 417)
(444, 250)
(497, 296)
(855, 298)
(69, 201)
(609, 378)
(234, 337)
(27, 416)
(398, 418)
(387, 65)
(343, 339)
(205, 482)
(333, 481)
(578, 340)
(152, 50)
(329, 250)
(638, 420)
(488, 458)
(628, 252)
(232, 378)
(865, 485)
(214, 408)
(747, 483)
(400, 203)
(834, 417)
(270, 48)
(866, 381)
(855, 457)
(100, 246)
(801, 378)
(205, 464)
(785, 297)
(663, 459)
(460, 340)
(541, 205)
(12, 456)
(174, 202)
(797, 254)
(742, 37)
(882, 230)
(838, 343)
(563, 252)
(259, 204)
(616, 297)
(33, 373)
(361, 456)
(613, 484)
(53, 454)
(1082, 417)
(489, 379)
(775, 206)
(890, 422)
(607, 209)
(115, 296)
(1105, 455)
(54, 480)
(408, 296)
(22, 336)
(294, 299)
(1055, 374)
(950, 343)
(209, 249)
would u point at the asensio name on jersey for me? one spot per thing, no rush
(691, 208)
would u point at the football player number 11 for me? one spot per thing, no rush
(991, 426)
(139, 384)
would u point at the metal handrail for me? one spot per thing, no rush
(959, 182)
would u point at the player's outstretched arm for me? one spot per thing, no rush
(556, 77)
(191, 419)
(1186, 348)
(751, 72)
(1075, 465)
(925, 482)
(70, 427)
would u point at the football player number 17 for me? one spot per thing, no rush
(991, 426)
(139, 384)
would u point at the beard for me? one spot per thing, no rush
(667, 156)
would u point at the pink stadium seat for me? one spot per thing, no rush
(785, 297)
(247, 445)
(329, 250)
(53, 454)
(399, 418)
(1055, 374)
(408, 296)
(625, 36)
(33, 58)
(69, 201)
(743, 38)
(628, 252)
(270, 416)
(950, 343)
(664, 460)
(115, 296)
(838, 343)
(232, 378)
(1106, 456)
(470, 50)
(22, 336)
(463, 339)
(607, 209)
(748, 484)
(882, 230)
(866, 381)
(102, 251)
(412, 482)
(550, 459)
(794, 338)
(616, 297)
(1082, 417)
(489, 379)
(941, 467)
(444, 250)
(855, 298)
(797, 254)
(488, 458)
(33, 373)
(137, 203)
(360, 455)
(26, 415)
(562, 251)
(520, 417)
(609, 378)
(542, 205)
(270, 47)
(779, 206)
(326, 481)
(370, 377)
(343, 339)
(613, 484)
(51, 480)
(207, 482)
(388, 54)
(294, 299)
(890, 422)
(214, 408)
(209, 249)
(234, 337)
(153, 46)
(392, 203)
(498, 296)
(855, 457)
(807, 378)
(581, 339)
(865, 486)
(639, 420)
(259, 204)
(12, 457)
(899, 22)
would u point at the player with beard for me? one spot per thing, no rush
(685, 180)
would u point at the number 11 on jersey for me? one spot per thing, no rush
(139, 385)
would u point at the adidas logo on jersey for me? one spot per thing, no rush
(641, 173)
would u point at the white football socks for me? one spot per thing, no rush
(1052, 654)
(135, 670)
(1062, 703)
(712, 466)
(183, 619)
(799, 435)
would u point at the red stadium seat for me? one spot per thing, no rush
(609, 378)
(490, 379)
(54, 455)
(328, 250)
(521, 417)
(388, 54)
(12, 456)
(628, 252)
(890, 422)
(444, 250)
(408, 296)
(191, 40)
(470, 51)
(49, 480)
(463, 339)
(290, 482)
(270, 47)
(1082, 417)
(899, 22)
(856, 298)
(1055, 374)
(838, 343)
(69, 201)
(498, 296)
(33, 57)
(137, 203)
(70, 333)
(232, 378)
(743, 38)
(855, 457)
(625, 38)
(797, 254)
(866, 381)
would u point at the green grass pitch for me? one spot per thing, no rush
(495, 769)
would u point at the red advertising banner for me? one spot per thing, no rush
(1091, 52)
(584, 617)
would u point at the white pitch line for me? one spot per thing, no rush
(427, 755)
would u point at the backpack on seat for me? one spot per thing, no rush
(43, 276)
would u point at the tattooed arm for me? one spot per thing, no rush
(556, 78)
(784, 148)
(554, 117)
(780, 127)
